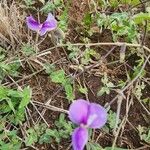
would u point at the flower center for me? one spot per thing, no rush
(83, 125)
(91, 119)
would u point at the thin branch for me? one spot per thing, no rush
(96, 44)
(53, 108)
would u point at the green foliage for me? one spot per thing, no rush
(144, 133)
(83, 90)
(138, 68)
(13, 103)
(63, 131)
(51, 6)
(121, 24)
(138, 89)
(8, 69)
(48, 7)
(141, 17)
(12, 110)
(28, 49)
(112, 119)
(49, 68)
(29, 2)
(59, 77)
(74, 51)
(34, 133)
(26, 97)
(63, 20)
(107, 86)
(87, 56)
(87, 20)
(93, 146)
(9, 140)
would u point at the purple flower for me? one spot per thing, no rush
(86, 115)
(49, 24)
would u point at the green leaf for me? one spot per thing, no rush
(69, 91)
(138, 68)
(26, 97)
(141, 17)
(83, 90)
(28, 49)
(31, 138)
(10, 104)
(103, 90)
(87, 20)
(3, 93)
(112, 119)
(49, 68)
(93, 146)
(48, 7)
(63, 23)
(58, 76)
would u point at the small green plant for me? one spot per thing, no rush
(60, 78)
(7, 68)
(144, 133)
(51, 6)
(34, 133)
(29, 4)
(82, 89)
(13, 103)
(28, 49)
(138, 89)
(63, 23)
(107, 86)
(63, 131)
(120, 24)
(9, 140)
(138, 68)
(93, 146)
(12, 110)
(87, 56)
(74, 51)
(112, 119)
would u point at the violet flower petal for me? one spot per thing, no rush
(78, 111)
(32, 23)
(79, 138)
(97, 116)
(49, 24)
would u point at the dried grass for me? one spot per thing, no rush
(11, 23)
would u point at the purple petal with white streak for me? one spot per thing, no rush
(78, 111)
(97, 116)
(32, 23)
(49, 24)
(79, 138)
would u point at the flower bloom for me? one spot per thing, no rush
(49, 24)
(86, 115)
